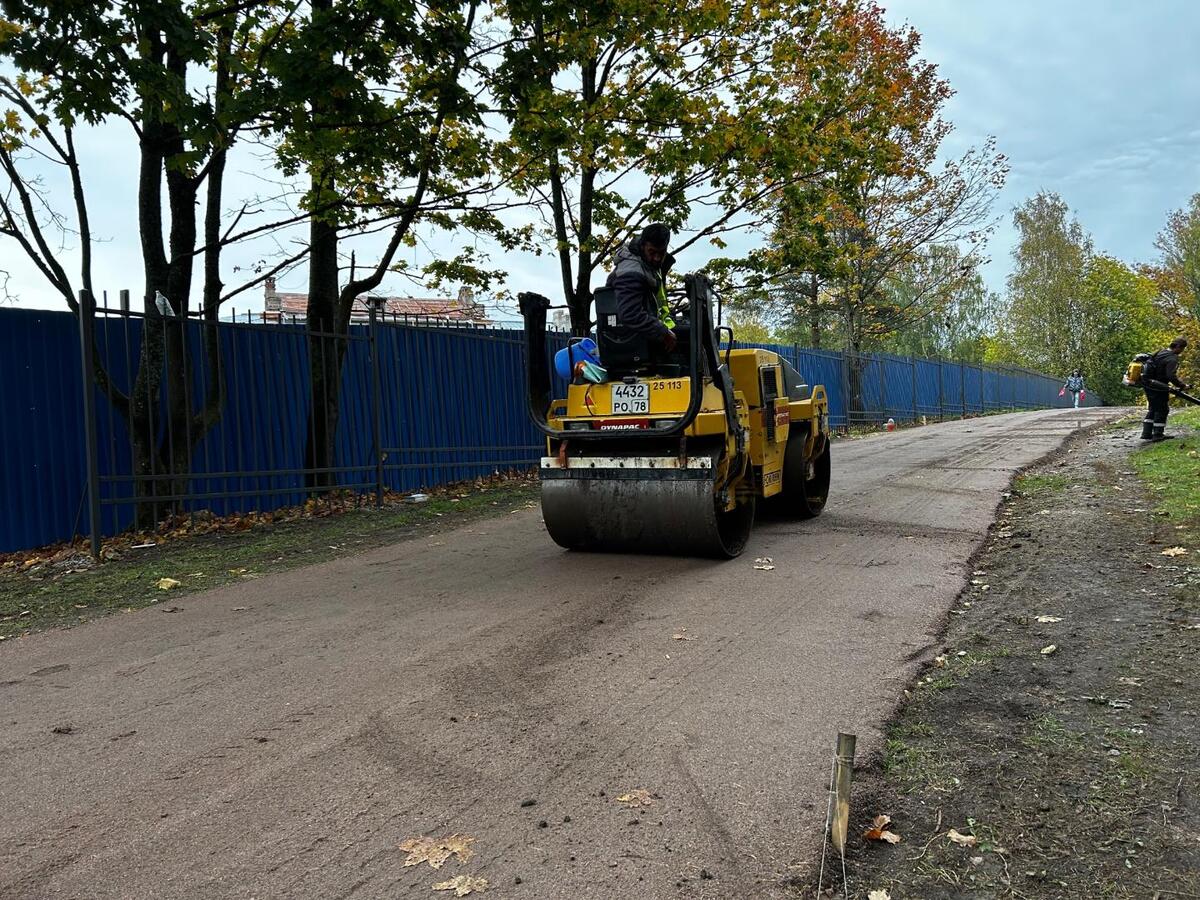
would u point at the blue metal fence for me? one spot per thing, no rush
(450, 402)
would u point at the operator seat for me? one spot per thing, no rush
(624, 351)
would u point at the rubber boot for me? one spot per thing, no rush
(1159, 433)
(1147, 429)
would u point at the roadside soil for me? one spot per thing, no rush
(63, 586)
(1057, 732)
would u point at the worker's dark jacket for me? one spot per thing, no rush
(639, 289)
(1163, 367)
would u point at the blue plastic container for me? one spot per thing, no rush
(565, 359)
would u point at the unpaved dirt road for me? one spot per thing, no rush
(278, 738)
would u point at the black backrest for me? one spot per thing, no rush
(622, 350)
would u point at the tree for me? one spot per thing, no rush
(698, 113)
(1120, 318)
(371, 105)
(1177, 274)
(1046, 313)
(178, 76)
(885, 215)
(1179, 244)
(946, 312)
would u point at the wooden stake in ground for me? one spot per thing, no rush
(843, 770)
(837, 816)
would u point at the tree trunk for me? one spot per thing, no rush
(162, 439)
(324, 359)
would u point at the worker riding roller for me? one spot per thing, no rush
(639, 280)
(673, 450)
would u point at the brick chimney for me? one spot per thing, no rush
(270, 298)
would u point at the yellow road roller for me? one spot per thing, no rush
(670, 452)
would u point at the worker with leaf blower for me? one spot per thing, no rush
(1159, 374)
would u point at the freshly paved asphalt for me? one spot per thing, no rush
(432, 687)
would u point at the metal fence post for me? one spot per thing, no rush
(87, 357)
(847, 400)
(962, 386)
(376, 399)
(941, 388)
(912, 361)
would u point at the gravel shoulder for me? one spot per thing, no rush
(1058, 729)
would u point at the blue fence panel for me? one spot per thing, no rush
(451, 407)
(972, 380)
(41, 457)
(825, 367)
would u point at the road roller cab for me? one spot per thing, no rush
(674, 451)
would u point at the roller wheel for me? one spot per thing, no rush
(733, 530)
(805, 481)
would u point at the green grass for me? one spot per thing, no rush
(916, 763)
(1172, 471)
(45, 598)
(1040, 485)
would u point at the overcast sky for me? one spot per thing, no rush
(1094, 99)
(1098, 100)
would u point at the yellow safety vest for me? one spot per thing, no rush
(664, 308)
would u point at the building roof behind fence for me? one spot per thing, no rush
(462, 309)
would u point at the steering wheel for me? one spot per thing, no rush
(678, 304)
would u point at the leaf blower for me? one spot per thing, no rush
(1136, 376)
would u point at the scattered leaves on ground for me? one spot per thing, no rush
(1174, 551)
(963, 840)
(58, 558)
(879, 831)
(165, 584)
(638, 798)
(462, 885)
(436, 851)
(1048, 620)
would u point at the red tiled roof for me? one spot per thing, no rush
(446, 308)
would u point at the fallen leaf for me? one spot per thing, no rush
(463, 885)
(1048, 620)
(166, 584)
(963, 840)
(636, 798)
(879, 894)
(240, 608)
(879, 832)
(436, 851)
(763, 564)
(1048, 651)
(1174, 551)
(939, 662)
(680, 636)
